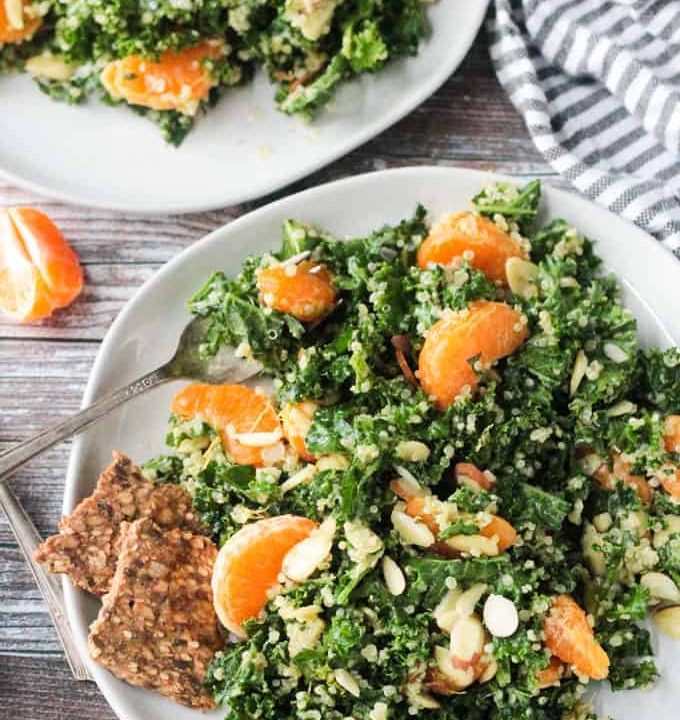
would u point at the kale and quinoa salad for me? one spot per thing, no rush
(171, 59)
(481, 459)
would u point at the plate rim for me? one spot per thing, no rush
(383, 122)
(235, 227)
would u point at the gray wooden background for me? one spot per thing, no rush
(43, 368)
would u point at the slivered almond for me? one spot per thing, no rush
(303, 559)
(615, 353)
(347, 681)
(661, 587)
(668, 621)
(453, 679)
(520, 274)
(301, 477)
(255, 439)
(445, 612)
(49, 66)
(475, 545)
(578, 372)
(465, 605)
(408, 483)
(411, 531)
(394, 576)
(500, 616)
(467, 642)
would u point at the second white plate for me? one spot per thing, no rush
(244, 148)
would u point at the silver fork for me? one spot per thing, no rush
(188, 363)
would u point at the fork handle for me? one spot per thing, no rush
(13, 459)
(28, 539)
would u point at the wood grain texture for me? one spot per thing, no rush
(44, 367)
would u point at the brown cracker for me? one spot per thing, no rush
(87, 545)
(157, 626)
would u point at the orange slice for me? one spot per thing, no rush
(569, 636)
(17, 26)
(178, 80)
(246, 420)
(39, 272)
(487, 330)
(305, 290)
(248, 565)
(465, 236)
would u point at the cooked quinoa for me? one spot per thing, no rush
(366, 635)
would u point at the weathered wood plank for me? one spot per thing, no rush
(43, 689)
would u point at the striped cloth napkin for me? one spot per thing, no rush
(598, 84)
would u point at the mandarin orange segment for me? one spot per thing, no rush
(245, 419)
(19, 24)
(38, 270)
(178, 80)
(569, 636)
(485, 330)
(502, 530)
(473, 238)
(297, 419)
(305, 291)
(248, 565)
(671, 433)
(54, 258)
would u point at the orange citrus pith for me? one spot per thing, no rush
(248, 566)
(178, 80)
(39, 272)
(487, 330)
(11, 34)
(472, 237)
(232, 410)
(305, 290)
(569, 636)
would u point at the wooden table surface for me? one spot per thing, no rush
(43, 368)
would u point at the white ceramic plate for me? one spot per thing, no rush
(242, 149)
(145, 333)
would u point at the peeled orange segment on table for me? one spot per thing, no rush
(39, 272)
(17, 21)
(465, 236)
(486, 330)
(245, 419)
(178, 80)
(247, 567)
(305, 290)
(569, 636)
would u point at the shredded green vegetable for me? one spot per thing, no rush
(539, 428)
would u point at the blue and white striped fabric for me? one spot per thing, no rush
(598, 84)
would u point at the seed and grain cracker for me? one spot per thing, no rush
(88, 542)
(157, 627)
